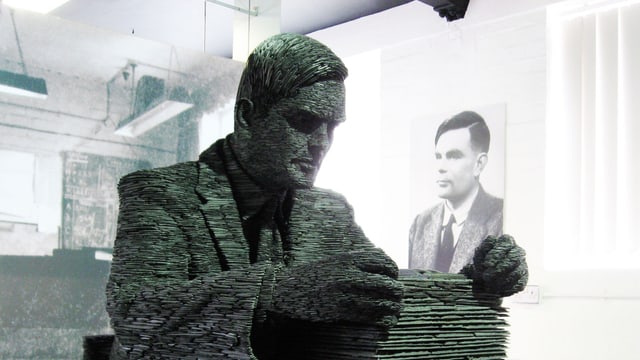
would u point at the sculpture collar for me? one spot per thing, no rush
(250, 197)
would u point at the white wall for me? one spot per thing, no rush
(492, 58)
(352, 166)
(470, 66)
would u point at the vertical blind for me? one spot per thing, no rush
(592, 203)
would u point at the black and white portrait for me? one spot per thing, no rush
(457, 186)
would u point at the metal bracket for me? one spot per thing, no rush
(253, 12)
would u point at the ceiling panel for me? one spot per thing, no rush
(182, 22)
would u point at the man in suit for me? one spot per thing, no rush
(210, 254)
(445, 237)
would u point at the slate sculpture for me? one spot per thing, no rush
(232, 255)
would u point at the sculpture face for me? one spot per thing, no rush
(459, 165)
(287, 146)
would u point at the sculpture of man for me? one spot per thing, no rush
(212, 256)
(207, 252)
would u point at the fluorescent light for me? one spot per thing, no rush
(41, 6)
(103, 255)
(158, 114)
(19, 84)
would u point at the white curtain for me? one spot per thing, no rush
(592, 204)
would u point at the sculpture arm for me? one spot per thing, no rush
(157, 308)
(499, 267)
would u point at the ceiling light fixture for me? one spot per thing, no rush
(21, 84)
(163, 111)
(24, 85)
(152, 105)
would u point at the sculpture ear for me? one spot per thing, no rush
(243, 113)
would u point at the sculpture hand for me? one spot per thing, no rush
(499, 267)
(358, 286)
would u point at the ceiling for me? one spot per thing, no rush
(84, 50)
(96, 39)
(206, 26)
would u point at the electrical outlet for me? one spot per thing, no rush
(530, 295)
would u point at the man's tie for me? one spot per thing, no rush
(445, 251)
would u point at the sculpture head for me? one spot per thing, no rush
(462, 144)
(291, 97)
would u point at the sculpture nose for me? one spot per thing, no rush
(320, 141)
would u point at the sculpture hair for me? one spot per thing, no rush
(282, 64)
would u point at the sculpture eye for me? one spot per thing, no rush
(305, 123)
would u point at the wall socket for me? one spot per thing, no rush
(530, 295)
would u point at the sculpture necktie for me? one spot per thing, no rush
(445, 251)
(268, 231)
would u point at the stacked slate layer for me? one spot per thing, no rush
(443, 319)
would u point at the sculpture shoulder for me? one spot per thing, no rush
(323, 203)
(323, 198)
(165, 179)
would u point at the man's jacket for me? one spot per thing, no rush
(484, 219)
(181, 283)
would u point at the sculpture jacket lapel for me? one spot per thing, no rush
(220, 211)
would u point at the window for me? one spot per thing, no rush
(592, 206)
(17, 186)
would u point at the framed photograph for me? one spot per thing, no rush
(461, 174)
